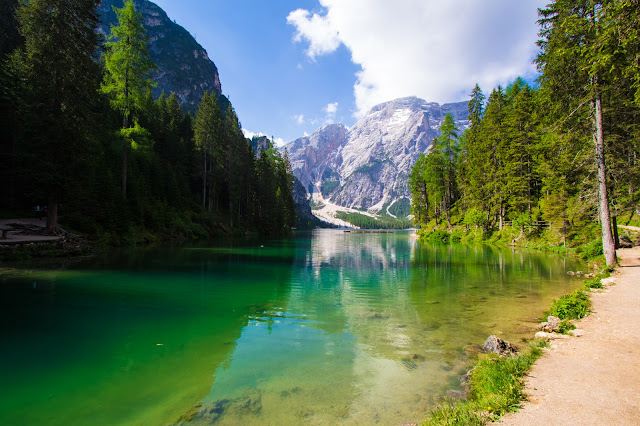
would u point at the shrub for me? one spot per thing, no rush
(439, 236)
(574, 305)
(566, 326)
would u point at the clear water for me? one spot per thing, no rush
(327, 328)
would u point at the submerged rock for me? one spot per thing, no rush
(498, 346)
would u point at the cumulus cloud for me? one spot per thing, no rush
(299, 119)
(330, 110)
(436, 50)
(319, 31)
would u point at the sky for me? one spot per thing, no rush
(290, 67)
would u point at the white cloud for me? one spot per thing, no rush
(316, 29)
(331, 109)
(436, 50)
(299, 119)
(278, 142)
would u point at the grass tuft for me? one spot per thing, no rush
(574, 305)
(496, 388)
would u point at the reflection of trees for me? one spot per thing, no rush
(474, 291)
(144, 329)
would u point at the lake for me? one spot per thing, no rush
(328, 327)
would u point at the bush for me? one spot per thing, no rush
(574, 305)
(439, 236)
(566, 326)
(591, 250)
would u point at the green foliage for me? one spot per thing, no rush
(127, 63)
(473, 217)
(574, 305)
(438, 236)
(368, 222)
(591, 250)
(328, 186)
(566, 326)
(401, 208)
(74, 154)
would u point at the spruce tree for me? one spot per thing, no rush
(571, 70)
(128, 71)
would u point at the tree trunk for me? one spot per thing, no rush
(608, 245)
(125, 124)
(204, 181)
(616, 237)
(52, 213)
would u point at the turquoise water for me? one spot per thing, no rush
(327, 328)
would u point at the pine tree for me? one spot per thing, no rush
(128, 71)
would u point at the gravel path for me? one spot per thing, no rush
(593, 379)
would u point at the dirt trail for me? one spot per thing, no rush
(593, 379)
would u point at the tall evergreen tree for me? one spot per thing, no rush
(447, 147)
(571, 70)
(128, 71)
(61, 80)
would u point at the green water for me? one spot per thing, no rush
(326, 328)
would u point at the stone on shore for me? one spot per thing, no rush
(498, 346)
(550, 336)
(552, 324)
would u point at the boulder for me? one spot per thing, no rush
(498, 346)
(576, 333)
(552, 324)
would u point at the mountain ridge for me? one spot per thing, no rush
(366, 167)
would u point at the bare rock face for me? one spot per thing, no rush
(367, 167)
(498, 346)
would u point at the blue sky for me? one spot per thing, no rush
(289, 67)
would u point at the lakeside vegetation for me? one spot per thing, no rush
(82, 133)
(555, 164)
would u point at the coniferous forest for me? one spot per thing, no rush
(82, 134)
(559, 158)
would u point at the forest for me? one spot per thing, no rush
(82, 135)
(559, 156)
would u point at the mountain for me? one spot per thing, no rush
(367, 167)
(183, 66)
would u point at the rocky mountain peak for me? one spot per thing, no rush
(367, 167)
(183, 65)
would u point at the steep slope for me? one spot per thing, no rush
(183, 66)
(316, 159)
(366, 167)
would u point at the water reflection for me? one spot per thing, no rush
(329, 327)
